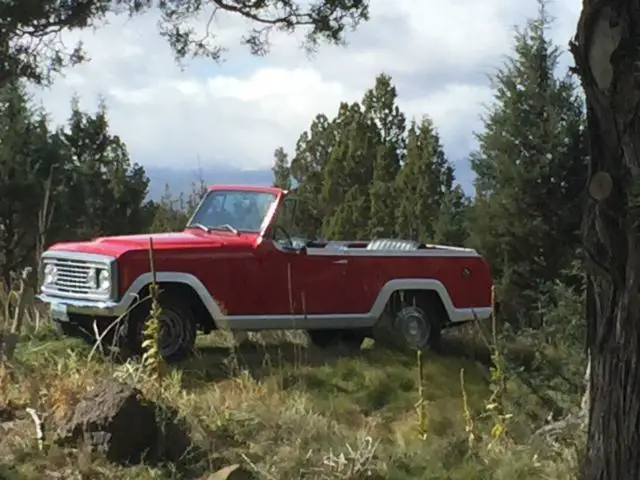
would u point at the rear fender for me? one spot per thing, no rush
(455, 315)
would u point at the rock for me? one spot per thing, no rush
(114, 419)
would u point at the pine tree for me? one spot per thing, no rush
(530, 170)
(169, 213)
(313, 150)
(380, 106)
(348, 174)
(106, 192)
(281, 169)
(24, 164)
(451, 226)
(348, 171)
(424, 180)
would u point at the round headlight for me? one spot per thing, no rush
(50, 273)
(104, 281)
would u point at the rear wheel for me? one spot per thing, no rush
(417, 329)
(416, 326)
(178, 337)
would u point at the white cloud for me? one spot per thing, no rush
(238, 112)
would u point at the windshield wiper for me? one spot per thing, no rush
(231, 228)
(200, 226)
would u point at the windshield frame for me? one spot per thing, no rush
(265, 221)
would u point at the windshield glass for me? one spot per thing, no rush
(242, 211)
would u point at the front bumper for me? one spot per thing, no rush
(84, 307)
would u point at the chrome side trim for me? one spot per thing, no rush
(363, 252)
(273, 322)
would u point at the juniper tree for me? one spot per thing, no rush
(529, 171)
(424, 180)
(348, 174)
(105, 191)
(380, 106)
(313, 150)
(281, 169)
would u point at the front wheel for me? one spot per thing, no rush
(178, 330)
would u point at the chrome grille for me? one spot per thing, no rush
(73, 276)
(76, 275)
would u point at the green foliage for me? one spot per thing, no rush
(451, 226)
(25, 159)
(426, 179)
(307, 170)
(281, 169)
(103, 191)
(555, 374)
(348, 170)
(171, 214)
(380, 105)
(530, 170)
(365, 174)
(31, 49)
(94, 188)
(293, 411)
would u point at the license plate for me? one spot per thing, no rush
(59, 312)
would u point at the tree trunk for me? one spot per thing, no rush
(606, 51)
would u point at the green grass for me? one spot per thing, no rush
(287, 411)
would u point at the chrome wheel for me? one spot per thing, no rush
(415, 327)
(177, 333)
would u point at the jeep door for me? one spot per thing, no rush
(301, 282)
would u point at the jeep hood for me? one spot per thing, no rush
(190, 239)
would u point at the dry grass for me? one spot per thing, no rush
(286, 410)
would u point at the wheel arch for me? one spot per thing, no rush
(422, 290)
(207, 310)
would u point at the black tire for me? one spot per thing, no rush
(419, 329)
(178, 330)
(410, 328)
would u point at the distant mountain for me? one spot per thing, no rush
(181, 180)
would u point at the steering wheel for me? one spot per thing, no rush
(289, 240)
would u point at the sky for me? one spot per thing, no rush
(234, 114)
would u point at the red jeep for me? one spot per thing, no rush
(235, 266)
